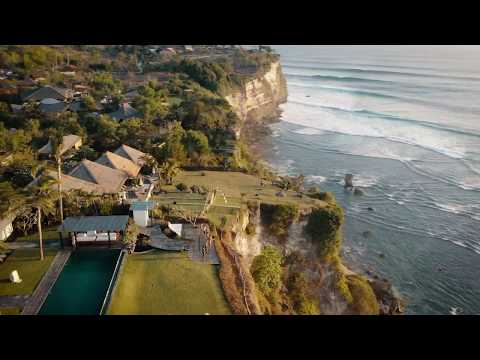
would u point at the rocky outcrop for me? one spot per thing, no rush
(260, 98)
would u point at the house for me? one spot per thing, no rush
(134, 155)
(95, 178)
(46, 92)
(69, 142)
(131, 95)
(118, 162)
(6, 227)
(125, 111)
(52, 106)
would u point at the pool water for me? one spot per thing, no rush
(83, 283)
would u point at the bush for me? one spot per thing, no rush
(279, 217)
(322, 195)
(181, 187)
(266, 270)
(323, 227)
(250, 229)
(364, 301)
(298, 290)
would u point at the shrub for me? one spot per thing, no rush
(105, 207)
(364, 301)
(323, 227)
(279, 217)
(298, 293)
(266, 270)
(181, 187)
(250, 229)
(322, 195)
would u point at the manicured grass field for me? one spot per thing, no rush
(10, 311)
(167, 284)
(49, 235)
(30, 268)
(234, 184)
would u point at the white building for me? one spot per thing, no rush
(141, 212)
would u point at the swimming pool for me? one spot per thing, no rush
(82, 286)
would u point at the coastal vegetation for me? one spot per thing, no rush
(190, 134)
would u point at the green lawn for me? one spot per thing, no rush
(49, 235)
(10, 311)
(167, 283)
(233, 184)
(29, 267)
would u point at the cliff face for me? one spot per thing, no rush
(259, 98)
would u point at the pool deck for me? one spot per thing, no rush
(36, 300)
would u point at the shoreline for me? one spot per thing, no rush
(389, 298)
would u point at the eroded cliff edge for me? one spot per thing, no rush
(259, 98)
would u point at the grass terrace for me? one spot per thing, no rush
(30, 268)
(233, 184)
(167, 283)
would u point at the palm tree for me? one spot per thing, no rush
(40, 196)
(169, 170)
(151, 162)
(57, 155)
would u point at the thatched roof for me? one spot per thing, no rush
(125, 111)
(92, 177)
(131, 154)
(69, 142)
(118, 162)
(46, 92)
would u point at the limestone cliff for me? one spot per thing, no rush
(259, 98)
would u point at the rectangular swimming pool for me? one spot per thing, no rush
(82, 286)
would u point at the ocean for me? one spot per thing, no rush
(405, 120)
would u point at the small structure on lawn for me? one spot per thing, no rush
(141, 212)
(176, 228)
(14, 277)
(93, 230)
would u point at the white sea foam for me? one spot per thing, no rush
(317, 179)
(309, 131)
(470, 210)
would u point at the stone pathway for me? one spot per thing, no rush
(198, 241)
(13, 301)
(35, 302)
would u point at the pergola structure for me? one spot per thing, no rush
(93, 230)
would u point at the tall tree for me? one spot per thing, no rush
(57, 148)
(40, 196)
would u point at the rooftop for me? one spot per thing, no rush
(98, 223)
(118, 162)
(132, 154)
(69, 142)
(142, 205)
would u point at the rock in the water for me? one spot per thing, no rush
(358, 192)
(382, 255)
(367, 234)
(348, 181)
(370, 209)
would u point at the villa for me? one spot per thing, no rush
(48, 92)
(108, 174)
(125, 111)
(69, 142)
